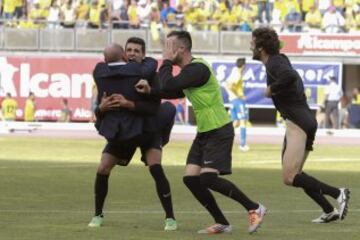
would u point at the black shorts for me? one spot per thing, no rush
(213, 149)
(125, 150)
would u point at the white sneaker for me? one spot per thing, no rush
(343, 201)
(327, 217)
(244, 148)
(256, 218)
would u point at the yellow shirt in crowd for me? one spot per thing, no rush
(9, 6)
(19, 3)
(307, 4)
(29, 111)
(94, 15)
(313, 19)
(8, 107)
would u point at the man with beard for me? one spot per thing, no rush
(285, 87)
(210, 153)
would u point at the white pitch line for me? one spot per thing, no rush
(70, 165)
(339, 160)
(156, 211)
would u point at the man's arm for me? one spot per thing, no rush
(148, 68)
(193, 75)
(116, 101)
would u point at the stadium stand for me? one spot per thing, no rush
(214, 15)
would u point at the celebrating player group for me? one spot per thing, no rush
(130, 115)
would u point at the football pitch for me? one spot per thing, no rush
(46, 192)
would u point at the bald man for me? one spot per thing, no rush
(124, 119)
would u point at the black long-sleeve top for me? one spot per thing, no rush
(192, 75)
(287, 92)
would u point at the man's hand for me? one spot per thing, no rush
(268, 92)
(143, 86)
(107, 103)
(170, 51)
(114, 101)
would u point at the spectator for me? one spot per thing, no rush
(37, 16)
(306, 6)
(9, 106)
(313, 19)
(264, 7)
(221, 17)
(320, 116)
(293, 20)
(354, 109)
(19, 8)
(155, 22)
(30, 107)
(115, 12)
(94, 15)
(104, 16)
(235, 15)
(350, 22)
(82, 11)
(134, 21)
(179, 17)
(333, 21)
(144, 11)
(333, 93)
(344, 112)
(356, 96)
(8, 9)
(68, 16)
(54, 16)
(124, 15)
(180, 112)
(65, 111)
(167, 13)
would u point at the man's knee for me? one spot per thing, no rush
(208, 178)
(104, 169)
(189, 181)
(153, 157)
(107, 163)
(288, 178)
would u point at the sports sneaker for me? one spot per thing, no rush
(216, 228)
(244, 148)
(343, 201)
(256, 217)
(96, 221)
(170, 224)
(327, 217)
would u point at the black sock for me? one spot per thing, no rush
(163, 189)
(204, 196)
(227, 188)
(312, 184)
(320, 200)
(101, 189)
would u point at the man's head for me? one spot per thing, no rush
(135, 49)
(240, 62)
(31, 96)
(114, 53)
(8, 95)
(182, 44)
(64, 102)
(264, 42)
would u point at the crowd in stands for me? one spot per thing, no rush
(331, 16)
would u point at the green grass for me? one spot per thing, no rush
(47, 193)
